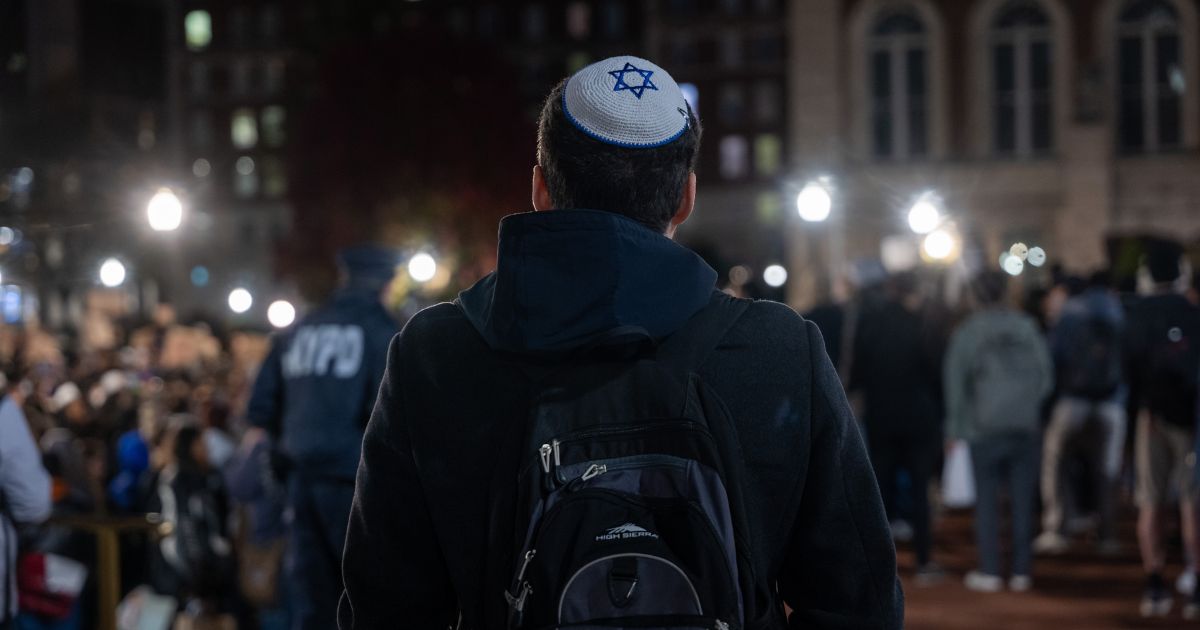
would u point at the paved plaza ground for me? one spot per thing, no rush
(1077, 591)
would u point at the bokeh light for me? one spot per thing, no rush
(814, 203)
(775, 276)
(939, 245)
(422, 267)
(1036, 256)
(281, 313)
(1013, 265)
(924, 216)
(240, 300)
(199, 275)
(164, 211)
(112, 273)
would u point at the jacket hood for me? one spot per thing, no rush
(569, 278)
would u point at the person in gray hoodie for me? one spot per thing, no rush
(24, 497)
(997, 373)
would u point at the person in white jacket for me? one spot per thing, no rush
(24, 497)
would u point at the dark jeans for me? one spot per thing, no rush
(320, 515)
(1005, 460)
(918, 454)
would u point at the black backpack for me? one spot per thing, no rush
(1173, 355)
(1093, 367)
(629, 510)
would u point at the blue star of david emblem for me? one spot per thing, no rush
(637, 90)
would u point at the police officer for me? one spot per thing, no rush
(313, 395)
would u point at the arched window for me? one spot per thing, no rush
(899, 75)
(1150, 77)
(1022, 58)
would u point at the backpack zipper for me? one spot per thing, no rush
(544, 451)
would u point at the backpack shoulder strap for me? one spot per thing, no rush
(687, 348)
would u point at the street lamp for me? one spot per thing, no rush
(240, 300)
(165, 212)
(775, 276)
(924, 215)
(814, 202)
(281, 313)
(940, 245)
(422, 267)
(112, 273)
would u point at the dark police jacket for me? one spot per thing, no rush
(316, 388)
(438, 464)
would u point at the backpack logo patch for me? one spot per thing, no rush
(625, 532)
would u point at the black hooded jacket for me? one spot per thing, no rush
(437, 461)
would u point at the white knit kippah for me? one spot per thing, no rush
(626, 101)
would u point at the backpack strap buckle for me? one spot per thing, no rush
(517, 602)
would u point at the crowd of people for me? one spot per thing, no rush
(1076, 397)
(189, 440)
(147, 426)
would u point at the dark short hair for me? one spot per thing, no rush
(644, 184)
(1163, 261)
(1100, 279)
(991, 287)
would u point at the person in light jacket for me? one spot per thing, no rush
(24, 497)
(997, 373)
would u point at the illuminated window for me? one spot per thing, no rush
(614, 19)
(768, 154)
(535, 22)
(241, 27)
(488, 21)
(682, 51)
(734, 157)
(766, 6)
(768, 101)
(691, 94)
(274, 177)
(458, 21)
(768, 206)
(243, 128)
(731, 49)
(576, 61)
(766, 49)
(202, 129)
(269, 23)
(1021, 69)
(245, 177)
(899, 53)
(199, 78)
(273, 76)
(732, 108)
(274, 131)
(242, 77)
(1150, 79)
(579, 18)
(197, 30)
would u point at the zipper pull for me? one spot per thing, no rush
(544, 451)
(720, 625)
(525, 564)
(595, 470)
(557, 452)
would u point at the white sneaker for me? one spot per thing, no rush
(1186, 582)
(1020, 583)
(983, 583)
(1050, 543)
